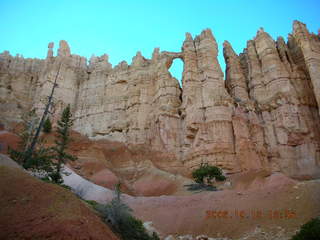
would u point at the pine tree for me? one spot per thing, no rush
(47, 126)
(29, 122)
(62, 141)
(41, 157)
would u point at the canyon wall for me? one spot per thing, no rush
(263, 115)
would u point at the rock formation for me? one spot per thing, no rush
(264, 115)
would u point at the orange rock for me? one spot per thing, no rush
(105, 178)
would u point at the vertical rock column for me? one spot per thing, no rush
(164, 117)
(139, 99)
(247, 126)
(235, 79)
(50, 50)
(310, 46)
(93, 108)
(68, 80)
(212, 106)
(192, 103)
(288, 120)
(18, 82)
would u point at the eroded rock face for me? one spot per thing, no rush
(263, 116)
(284, 103)
(207, 108)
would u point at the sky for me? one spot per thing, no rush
(121, 28)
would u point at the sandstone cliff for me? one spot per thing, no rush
(264, 115)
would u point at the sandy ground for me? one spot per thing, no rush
(257, 206)
(272, 204)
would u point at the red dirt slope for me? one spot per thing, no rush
(31, 209)
(8, 139)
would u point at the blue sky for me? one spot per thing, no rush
(121, 28)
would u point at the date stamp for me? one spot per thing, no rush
(251, 214)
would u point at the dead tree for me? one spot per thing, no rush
(43, 118)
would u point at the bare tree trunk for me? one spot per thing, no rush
(43, 118)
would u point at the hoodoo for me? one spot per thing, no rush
(265, 115)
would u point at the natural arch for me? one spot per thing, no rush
(176, 69)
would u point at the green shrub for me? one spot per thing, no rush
(220, 178)
(56, 177)
(118, 215)
(209, 172)
(309, 231)
(47, 126)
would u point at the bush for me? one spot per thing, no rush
(309, 231)
(39, 160)
(209, 172)
(220, 178)
(56, 177)
(47, 126)
(118, 215)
